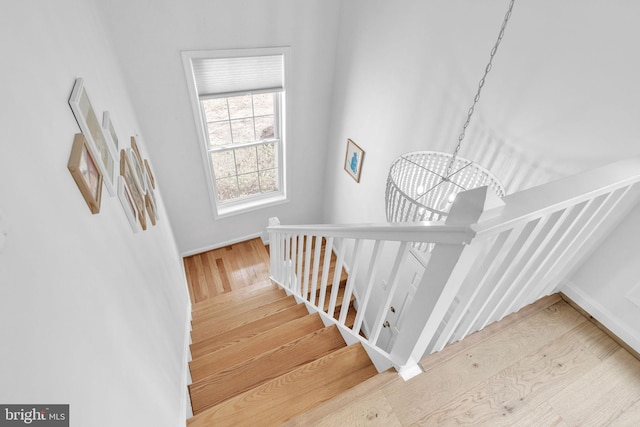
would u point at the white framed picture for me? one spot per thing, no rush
(110, 132)
(92, 130)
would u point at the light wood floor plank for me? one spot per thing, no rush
(630, 416)
(600, 397)
(427, 392)
(372, 410)
(338, 404)
(488, 332)
(542, 416)
(503, 398)
(595, 340)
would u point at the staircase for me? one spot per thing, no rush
(258, 357)
(489, 258)
(261, 358)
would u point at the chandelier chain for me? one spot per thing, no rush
(480, 86)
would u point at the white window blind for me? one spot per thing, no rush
(221, 76)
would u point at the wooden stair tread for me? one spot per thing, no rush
(223, 358)
(332, 265)
(283, 397)
(351, 317)
(237, 296)
(216, 325)
(252, 301)
(332, 268)
(253, 372)
(247, 331)
(339, 299)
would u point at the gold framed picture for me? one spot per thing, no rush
(127, 173)
(135, 160)
(151, 207)
(85, 172)
(152, 179)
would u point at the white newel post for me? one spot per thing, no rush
(444, 274)
(273, 248)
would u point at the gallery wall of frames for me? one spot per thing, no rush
(98, 158)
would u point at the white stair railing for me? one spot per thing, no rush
(490, 258)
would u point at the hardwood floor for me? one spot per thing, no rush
(546, 365)
(253, 347)
(222, 270)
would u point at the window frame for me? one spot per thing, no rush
(240, 205)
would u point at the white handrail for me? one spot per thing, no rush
(560, 194)
(427, 232)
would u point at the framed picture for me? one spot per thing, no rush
(128, 205)
(151, 207)
(353, 160)
(85, 172)
(138, 196)
(110, 132)
(138, 166)
(152, 180)
(152, 196)
(92, 130)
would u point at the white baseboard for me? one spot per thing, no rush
(601, 314)
(185, 404)
(222, 244)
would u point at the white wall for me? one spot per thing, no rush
(562, 96)
(90, 314)
(149, 37)
(608, 283)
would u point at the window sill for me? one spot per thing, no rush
(250, 205)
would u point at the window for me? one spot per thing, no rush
(239, 99)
